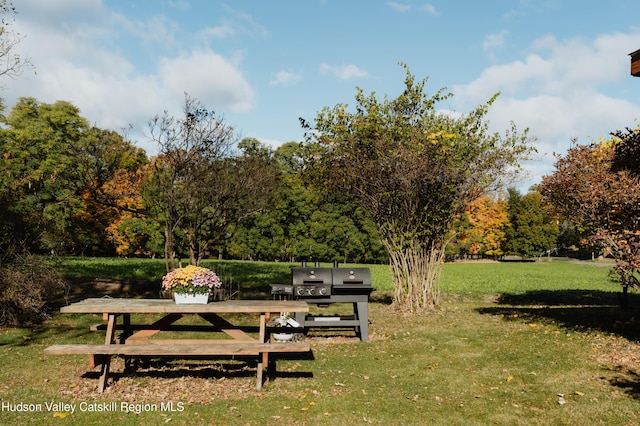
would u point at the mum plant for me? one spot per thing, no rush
(191, 280)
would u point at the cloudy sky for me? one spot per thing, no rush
(561, 66)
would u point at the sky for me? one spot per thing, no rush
(562, 68)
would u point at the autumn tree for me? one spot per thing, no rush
(413, 169)
(480, 230)
(597, 187)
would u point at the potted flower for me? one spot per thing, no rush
(191, 284)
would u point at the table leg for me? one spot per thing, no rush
(106, 362)
(263, 358)
(127, 331)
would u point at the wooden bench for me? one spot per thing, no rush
(100, 354)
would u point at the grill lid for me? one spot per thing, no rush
(300, 276)
(351, 276)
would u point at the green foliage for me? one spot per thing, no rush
(42, 182)
(304, 223)
(413, 169)
(54, 171)
(531, 229)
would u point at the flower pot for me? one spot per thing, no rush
(282, 337)
(187, 298)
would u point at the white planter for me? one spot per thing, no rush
(190, 299)
(282, 337)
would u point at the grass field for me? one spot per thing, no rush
(541, 343)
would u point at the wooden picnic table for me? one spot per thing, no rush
(138, 343)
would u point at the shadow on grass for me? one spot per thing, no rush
(578, 310)
(581, 310)
(235, 367)
(627, 380)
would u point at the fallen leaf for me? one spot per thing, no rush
(60, 415)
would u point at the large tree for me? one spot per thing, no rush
(41, 181)
(57, 175)
(597, 187)
(413, 168)
(532, 230)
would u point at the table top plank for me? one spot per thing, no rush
(148, 306)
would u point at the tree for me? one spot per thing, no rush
(531, 229)
(11, 63)
(480, 230)
(413, 169)
(597, 187)
(58, 174)
(199, 184)
(304, 223)
(42, 183)
(186, 173)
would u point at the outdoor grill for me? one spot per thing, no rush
(311, 282)
(325, 286)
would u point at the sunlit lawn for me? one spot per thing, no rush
(513, 343)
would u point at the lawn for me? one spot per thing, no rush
(513, 343)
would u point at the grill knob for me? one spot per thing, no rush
(300, 291)
(323, 291)
(312, 291)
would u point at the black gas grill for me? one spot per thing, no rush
(325, 286)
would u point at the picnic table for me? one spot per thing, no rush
(134, 341)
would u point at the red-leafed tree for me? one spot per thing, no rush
(597, 187)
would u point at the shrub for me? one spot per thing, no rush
(27, 282)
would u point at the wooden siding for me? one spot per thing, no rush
(635, 63)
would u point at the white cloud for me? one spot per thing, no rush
(285, 78)
(210, 77)
(399, 7)
(555, 90)
(344, 72)
(430, 9)
(72, 47)
(224, 30)
(493, 41)
(407, 7)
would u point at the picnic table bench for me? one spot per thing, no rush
(139, 344)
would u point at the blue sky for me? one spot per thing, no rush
(562, 67)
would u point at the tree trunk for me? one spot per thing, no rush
(169, 258)
(416, 274)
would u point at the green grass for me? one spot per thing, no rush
(510, 342)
